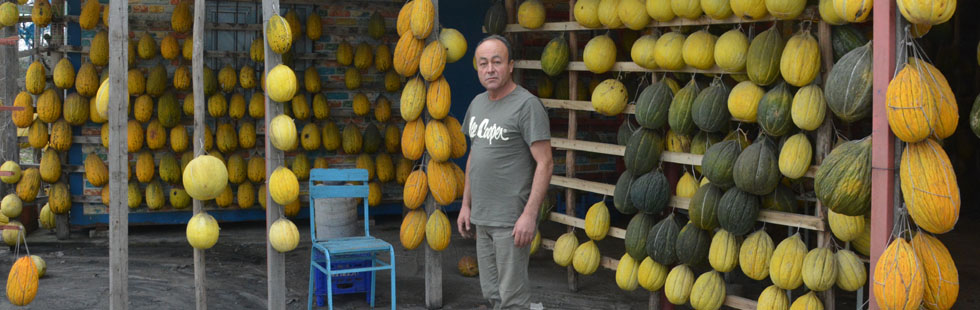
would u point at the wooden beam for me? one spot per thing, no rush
(118, 155)
(275, 261)
(619, 150)
(622, 66)
(824, 137)
(197, 76)
(883, 146)
(569, 220)
(578, 105)
(58, 38)
(808, 14)
(9, 73)
(775, 217)
(572, 277)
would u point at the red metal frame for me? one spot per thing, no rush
(882, 141)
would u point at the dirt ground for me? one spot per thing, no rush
(161, 273)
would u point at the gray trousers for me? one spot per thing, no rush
(503, 268)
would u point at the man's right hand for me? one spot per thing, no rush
(463, 222)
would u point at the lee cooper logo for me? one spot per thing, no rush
(484, 130)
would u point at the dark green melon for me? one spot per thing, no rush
(211, 82)
(496, 18)
(737, 211)
(843, 181)
(650, 192)
(168, 110)
(703, 208)
(783, 199)
(846, 38)
(679, 115)
(774, 111)
(765, 52)
(625, 131)
(710, 109)
(692, 245)
(662, 240)
(643, 151)
(652, 105)
(554, 57)
(372, 139)
(975, 117)
(636, 235)
(757, 167)
(621, 196)
(848, 87)
(719, 162)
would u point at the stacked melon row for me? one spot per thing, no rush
(432, 138)
(49, 119)
(745, 176)
(918, 271)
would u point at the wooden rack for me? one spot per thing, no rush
(814, 222)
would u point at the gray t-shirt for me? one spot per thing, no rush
(501, 164)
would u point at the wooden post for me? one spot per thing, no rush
(433, 259)
(58, 39)
(572, 128)
(197, 76)
(433, 267)
(274, 158)
(654, 302)
(824, 141)
(882, 142)
(118, 157)
(9, 72)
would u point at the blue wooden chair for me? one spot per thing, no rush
(347, 246)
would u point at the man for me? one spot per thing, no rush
(507, 174)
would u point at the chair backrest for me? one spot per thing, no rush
(337, 191)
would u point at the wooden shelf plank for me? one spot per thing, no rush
(579, 105)
(610, 263)
(619, 150)
(808, 14)
(64, 168)
(774, 217)
(622, 66)
(592, 147)
(740, 303)
(583, 185)
(74, 139)
(569, 220)
(768, 216)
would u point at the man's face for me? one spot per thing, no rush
(493, 64)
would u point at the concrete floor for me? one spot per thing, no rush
(161, 273)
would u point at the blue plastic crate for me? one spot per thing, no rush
(344, 283)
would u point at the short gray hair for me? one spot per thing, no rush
(510, 50)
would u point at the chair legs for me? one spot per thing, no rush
(371, 296)
(371, 293)
(312, 287)
(326, 259)
(391, 253)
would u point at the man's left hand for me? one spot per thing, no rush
(524, 230)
